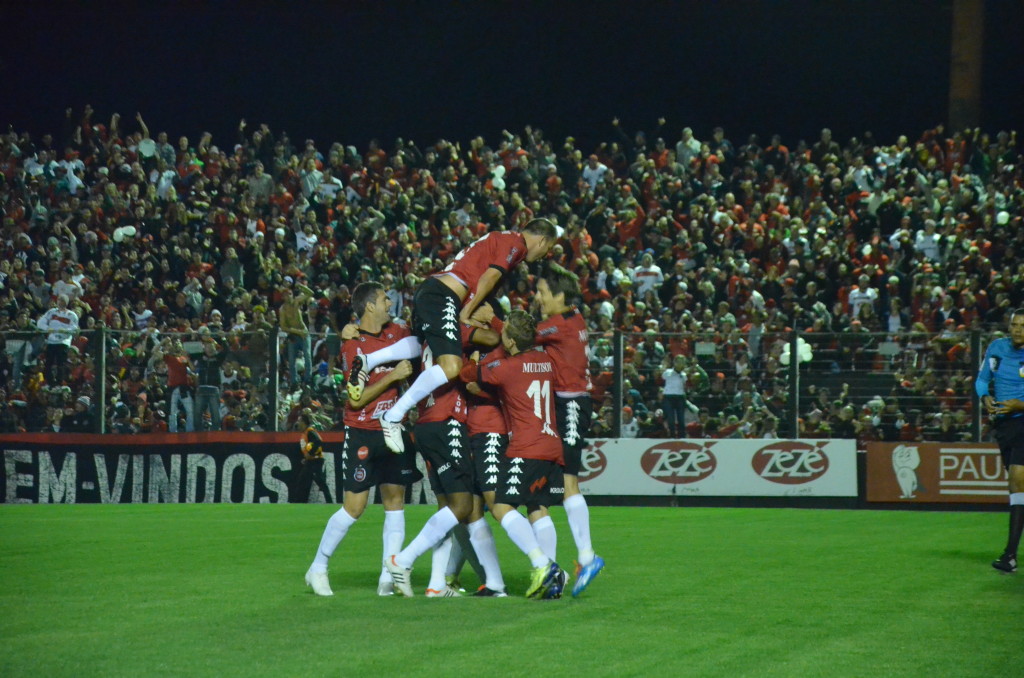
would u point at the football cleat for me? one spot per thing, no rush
(543, 579)
(556, 589)
(401, 576)
(357, 378)
(392, 435)
(386, 587)
(586, 574)
(454, 583)
(446, 592)
(484, 592)
(1006, 563)
(319, 582)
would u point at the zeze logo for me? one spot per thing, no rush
(592, 462)
(790, 462)
(679, 462)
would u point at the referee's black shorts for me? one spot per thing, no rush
(1010, 436)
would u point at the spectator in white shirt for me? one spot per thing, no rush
(928, 240)
(647, 276)
(60, 323)
(594, 172)
(67, 286)
(862, 294)
(630, 426)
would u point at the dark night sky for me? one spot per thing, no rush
(348, 71)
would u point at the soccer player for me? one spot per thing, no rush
(523, 382)
(441, 303)
(1002, 368)
(368, 461)
(442, 439)
(563, 334)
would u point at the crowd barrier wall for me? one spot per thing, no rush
(720, 468)
(260, 467)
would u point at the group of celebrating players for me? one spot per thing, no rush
(502, 407)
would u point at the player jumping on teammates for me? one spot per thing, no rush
(441, 303)
(1002, 367)
(367, 459)
(523, 382)
(563, 334)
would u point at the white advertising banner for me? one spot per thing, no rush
(720, 468)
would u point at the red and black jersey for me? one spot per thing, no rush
(485, 413)
(366, 343)
(564, 337)
(524, 383)
(501, 250)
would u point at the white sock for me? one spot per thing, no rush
(482, 538)
(439, 563)
(521, 534)
(334, 532)
(393, 535)
(547, 538)
(1017, 499)
(439, 525)
(403, 349)
(429, 380)
(579, 524)
(456, 559)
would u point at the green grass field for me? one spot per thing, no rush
(217, 590)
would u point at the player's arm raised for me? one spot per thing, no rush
(488, 281)
(402, 371)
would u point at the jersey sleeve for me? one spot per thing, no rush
(546, 333)
(508, 253)
(493, 371)
(349, 350)
(984, 379)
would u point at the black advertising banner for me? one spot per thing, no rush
(160, 468)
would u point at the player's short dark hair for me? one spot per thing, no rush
(561, 281)
(541, 227)
(1017, 311)
(521, 328)
(363, 294)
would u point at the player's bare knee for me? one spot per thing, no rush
(572, 485)
(355, 507)
(392, 497)
(461, 504)
(1016, 474)
(451, 364)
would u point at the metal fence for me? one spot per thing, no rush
(853, 384)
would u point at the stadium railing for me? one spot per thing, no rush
(905, 386)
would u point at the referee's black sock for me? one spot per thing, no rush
(1016, 527)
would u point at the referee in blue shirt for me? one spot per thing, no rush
(1003, 369)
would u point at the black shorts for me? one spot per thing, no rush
(526, 481)
(573, 418)
(369, 462)
(435, 318)
(444, 446)
(1010, 436)
(488, 450)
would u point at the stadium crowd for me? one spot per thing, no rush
(706, 252)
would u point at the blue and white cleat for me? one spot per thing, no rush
(586, 574)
